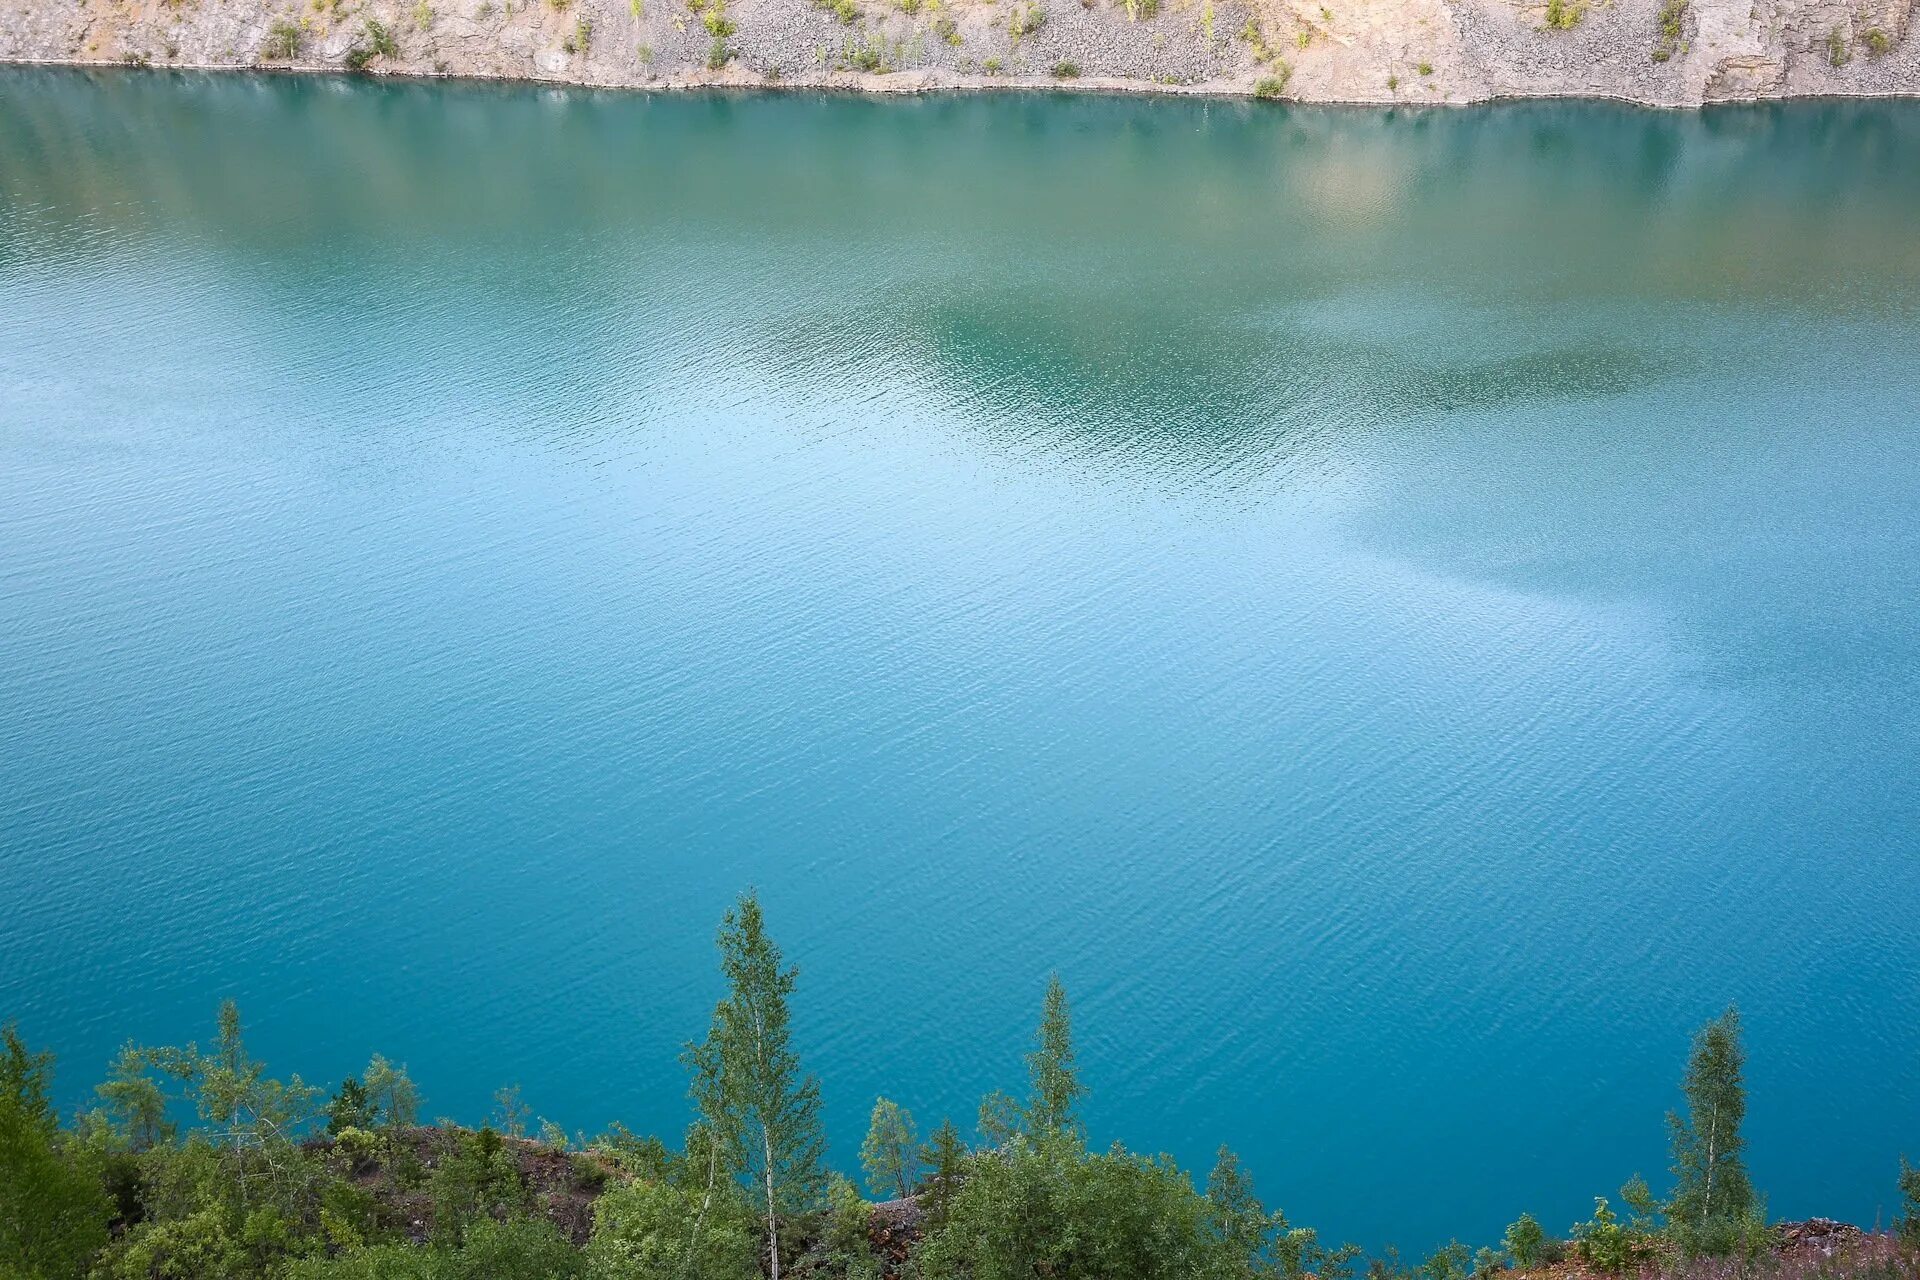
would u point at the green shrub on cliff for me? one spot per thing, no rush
(1526, 1242)
(1672, 14)
(1565, 15)
(283, 41)
(1907, 1225)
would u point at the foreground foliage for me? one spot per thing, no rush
(199, 1164)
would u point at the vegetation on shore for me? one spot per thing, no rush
(196, 1164)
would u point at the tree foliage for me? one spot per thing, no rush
(1055, 1086)
(753, 1096)
(1712, 1196)
(53, 1208)
(891, 1153)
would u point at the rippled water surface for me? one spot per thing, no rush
(1408, 613)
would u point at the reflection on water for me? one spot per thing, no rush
(1407, 612)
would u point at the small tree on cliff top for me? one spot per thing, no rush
(1055, 1081)
(758, 1099)
(891, 1153)
(1711, 1185)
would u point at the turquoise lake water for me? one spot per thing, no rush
(1408, 613)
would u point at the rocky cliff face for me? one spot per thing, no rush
(1661, 52)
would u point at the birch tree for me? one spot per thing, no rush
(1711, 1186)
(757, 1100)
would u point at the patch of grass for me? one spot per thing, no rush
(380, 39)
(1066, 71)
(422, 15)
(1303, 38)
(485, 10)
(283, 41)
(869, 55)
(719, 53)
(908, 6)
(1274, 86)
(1393, 82)
(644, 53)
(718, 25)
(947, 29)
(992, 66)
(846, 10)
(1876, 41)
(1565, 15)
(1027, 19)
(1138, 9)
(580, 39)
(358, 59)
(1837, 51)
(1425, 68)
(1673, 14)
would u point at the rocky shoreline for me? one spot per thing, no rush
(1671, 53)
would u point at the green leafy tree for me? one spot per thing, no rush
(53, 1206)
(1044, 1207)
(510, 1112)
(1712, 1195)
(135, 1104)
(1607, 1244)
(1526, 1242)
(477, 1181)
(1257, 1243)
(1240, 1221)
(1907, 1226)
(748, 1082)
(651, 1230)
(391, 1094)
(1452, 1261)
(1000, 1120)
(848, 1243)
(1055, 1083)
(891, 1152)
(946, 1158)
(350, 1108)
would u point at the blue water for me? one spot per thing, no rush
(1407, 613)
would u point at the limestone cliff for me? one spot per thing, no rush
(1660, 52)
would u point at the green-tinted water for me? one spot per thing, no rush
(1407, 613)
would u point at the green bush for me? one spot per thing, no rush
(869, 55)
(1837, 54)
(1275, 85)
(1606, 1244)
(283, 41)
(1046, 1207)
(1526, 1242)
(644, 1230)
(1876, 41)
(1907, 1225)
(1066, 71)
(1672, 14)
(53, 1204)
(1565, 15)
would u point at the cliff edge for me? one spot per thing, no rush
(1678, 53)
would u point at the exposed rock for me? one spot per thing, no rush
(1417, 52)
